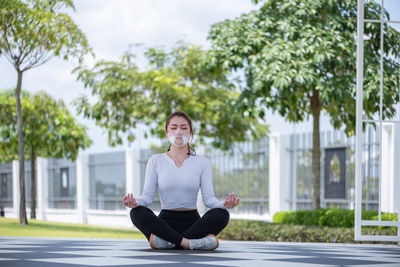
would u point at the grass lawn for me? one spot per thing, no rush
(11, 227)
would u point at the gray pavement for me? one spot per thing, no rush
(73, 252)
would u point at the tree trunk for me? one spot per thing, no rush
(22, 204)
(316, 151)
(33, 189)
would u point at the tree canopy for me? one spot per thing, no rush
(34, 31)
(31, 33)
(290, 48)
(299, 58)
(49, 128)
(175, 79)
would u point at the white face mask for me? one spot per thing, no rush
(178, 139)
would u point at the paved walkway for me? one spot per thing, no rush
(73, 252)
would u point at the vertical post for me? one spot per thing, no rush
(279, 173)
(387, 179)
(359, 119)
(396, 175)
(293, 168)
(135, 184)
(42, 186)
(82, 186)
(380, 129)
(396, 170)
(15, 178)
(129, 170)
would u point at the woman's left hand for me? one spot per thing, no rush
(231, 201)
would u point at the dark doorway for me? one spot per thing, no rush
(335, 172)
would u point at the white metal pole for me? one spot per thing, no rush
(359, 108)
(82, 186)
(42, 187)
(16, 197)
(380, 111)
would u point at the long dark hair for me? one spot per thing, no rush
(189, 121)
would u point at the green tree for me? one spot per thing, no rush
(31, 33)
(299, 58)
(49, 131)
(179, 79)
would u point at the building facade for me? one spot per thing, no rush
(269, 175)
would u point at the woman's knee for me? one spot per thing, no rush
(138, 214)
(221, 214)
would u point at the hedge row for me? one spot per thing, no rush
(264, 231)
(328, 217)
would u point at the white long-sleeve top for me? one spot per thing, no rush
(178, 187)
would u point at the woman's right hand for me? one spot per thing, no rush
(129, 201)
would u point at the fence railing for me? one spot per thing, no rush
(107, 179)
(243, 170)
(301, 176)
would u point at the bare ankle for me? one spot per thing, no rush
(185, 243)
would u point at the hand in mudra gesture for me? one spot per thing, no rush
(231, 201)
(129, 201)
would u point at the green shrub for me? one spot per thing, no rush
(337, 218)
(285, 217)
(309, 217)
(264, 231)
(368, 214)
(386, 217)
(300, 217)
(327, 217)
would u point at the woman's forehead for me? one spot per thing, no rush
(178, 121)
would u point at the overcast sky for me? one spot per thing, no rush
(111, 26)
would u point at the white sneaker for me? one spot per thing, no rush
(209, 242)
(159, 243)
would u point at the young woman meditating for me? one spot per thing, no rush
(179, 174)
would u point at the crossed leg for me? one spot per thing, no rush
(148, 223)
(212, 222)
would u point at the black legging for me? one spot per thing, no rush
(174, 225)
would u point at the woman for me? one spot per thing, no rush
(179, 174)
